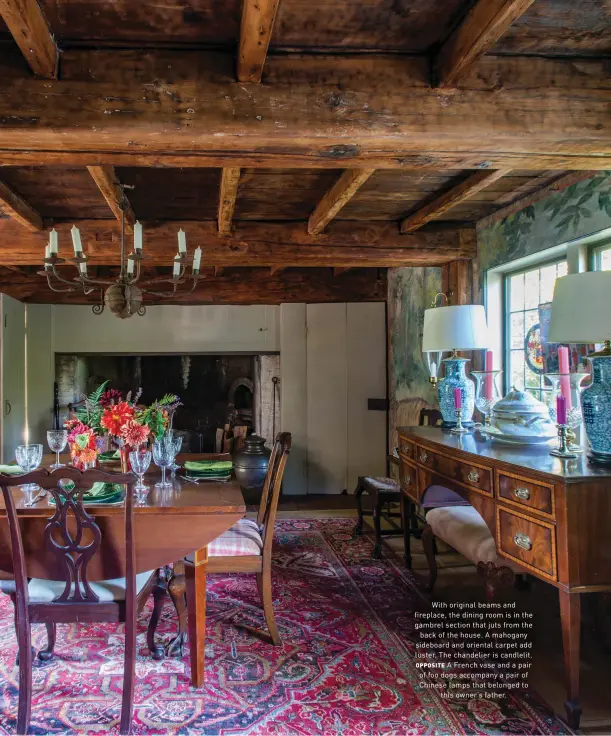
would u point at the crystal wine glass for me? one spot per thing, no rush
(487, 393)
(163, 456)
(177, 442)
(56, 439)
(140, 461)
(28, 458)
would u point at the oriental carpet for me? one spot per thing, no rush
(346, 665)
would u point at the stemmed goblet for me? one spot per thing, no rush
(28, 458)
(163, 456)
(177, 442)
(56, 439)
(140, 461)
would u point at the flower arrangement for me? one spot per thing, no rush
(107, 411)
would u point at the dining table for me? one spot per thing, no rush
(170, 524)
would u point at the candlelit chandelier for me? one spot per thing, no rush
(121, 295)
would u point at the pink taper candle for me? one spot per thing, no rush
(564, 370)
(560, 410)
(488, 387)
(457, 398)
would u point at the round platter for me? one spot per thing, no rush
(496, 434)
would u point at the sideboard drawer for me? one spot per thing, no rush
(474, 476)
(407, 448)
(529, 542)
(527, 493)
(409, 479)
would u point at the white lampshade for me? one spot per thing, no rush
(581, 308)
(455, 328)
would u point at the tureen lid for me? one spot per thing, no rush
(520, 402)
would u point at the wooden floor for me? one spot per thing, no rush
(458, 581)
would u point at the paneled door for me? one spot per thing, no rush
(346, 366)
(12, 385)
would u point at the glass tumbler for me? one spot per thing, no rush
(57, 439)
(28, 458)
(163, 456)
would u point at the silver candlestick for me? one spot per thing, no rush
(562, 450)
(459, 429)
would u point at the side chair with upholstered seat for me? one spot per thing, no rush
(55, 566)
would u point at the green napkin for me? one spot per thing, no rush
(209, 467)
(109, 456)
(11, 469)
(107, 493)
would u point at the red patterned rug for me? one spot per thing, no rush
(345, 666)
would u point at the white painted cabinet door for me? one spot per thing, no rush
(327, 388)
(12, 348)
(346, 366)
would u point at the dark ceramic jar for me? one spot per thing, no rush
(251, 462)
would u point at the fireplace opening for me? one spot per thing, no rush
(217, 391)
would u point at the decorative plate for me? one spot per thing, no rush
(533, 350)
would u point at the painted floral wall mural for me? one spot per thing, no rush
(581, 209)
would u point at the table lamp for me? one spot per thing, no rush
(581, 313)
(455, 328)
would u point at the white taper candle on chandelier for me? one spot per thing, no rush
(137, 236)
(176, 269)
(83, 268)
(48, 255)
(76, 240)
(53, 243)
(130, 266)
(182, 242)
(197, 259)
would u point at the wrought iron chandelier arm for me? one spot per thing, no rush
(56, 290)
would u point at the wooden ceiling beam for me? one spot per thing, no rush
(172, 107)
(340, 194)
(482, 27)
(17, 208)
(255, 34)
(546, 189)
(340, 271)
(28, 26)
(228, 193)
(240, 286)
(345, 244)
(473, 184)
(109, 185)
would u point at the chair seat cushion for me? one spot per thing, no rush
(464, 530)
(244, 538)
(435, 496)
(45, 591)
(382, 484)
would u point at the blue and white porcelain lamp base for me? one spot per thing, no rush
(456, 378)
(596, 407)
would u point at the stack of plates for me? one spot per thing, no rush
(100, 493)
(110, 456)
(217, 470)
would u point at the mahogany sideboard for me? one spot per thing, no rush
(550, 516)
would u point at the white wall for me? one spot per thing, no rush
(40, 371)
(169, 329)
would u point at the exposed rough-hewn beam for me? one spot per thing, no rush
(484, 24)
(345, 244)
(340, 271)
(109, 185)
(227, 196)
(255, 34)
(17, 208)
(340, 193)
(473, 184)
(556, 185)
(219, 271)
(276, 269)
(239, 286)
(174, 106)
(29, 28)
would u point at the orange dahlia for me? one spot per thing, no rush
(134, 434)
(115, 416)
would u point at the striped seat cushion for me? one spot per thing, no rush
(244, 538)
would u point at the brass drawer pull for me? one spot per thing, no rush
(473, 476)
(522, 493)
(423, 457)
(523, 541)
(405, 449)
(407, 479)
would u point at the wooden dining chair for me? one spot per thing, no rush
(247, 546)
(69, 543)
